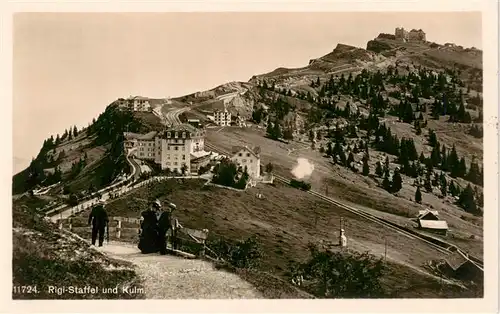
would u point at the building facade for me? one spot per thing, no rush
(172, 149)
(222, 117)
(138, 103)
(144, 144)
(248, 158)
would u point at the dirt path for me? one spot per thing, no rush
(170, 277)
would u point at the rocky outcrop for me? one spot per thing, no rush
(377, 46)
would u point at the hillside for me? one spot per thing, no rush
(392, 129)
(413, 110)
(43, 256)
(81, 161)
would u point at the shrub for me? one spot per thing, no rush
(343, 274)
(243, 254)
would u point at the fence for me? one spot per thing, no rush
(185, 241)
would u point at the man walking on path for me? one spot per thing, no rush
(99, 219)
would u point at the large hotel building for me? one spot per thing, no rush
(177, 148)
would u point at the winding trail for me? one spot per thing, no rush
(171, 277)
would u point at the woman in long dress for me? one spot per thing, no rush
(148, 239)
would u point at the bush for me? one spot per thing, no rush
(342, 274)
(243, 254)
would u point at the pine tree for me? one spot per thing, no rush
(427, 182)
(452, 189)
(474, 174)
(453, 162)
(366, 167)
(397, 182)
(466, 200)
(386, 184)
(378, 169)
(432, 138)
(418, 195)
(386, 165)
(462, 168)
(422, 158)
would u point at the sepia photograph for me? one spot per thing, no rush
(248, 155)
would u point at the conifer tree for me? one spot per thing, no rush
(418, 196)
(466, 200)
(378, 169)
(427, 182)
(386, 184)
(397, 181)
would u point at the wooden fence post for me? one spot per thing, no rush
(203, 248)
(119, 229)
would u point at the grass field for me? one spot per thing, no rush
(343, 184)
(285, 223)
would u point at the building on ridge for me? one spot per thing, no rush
(222, 117)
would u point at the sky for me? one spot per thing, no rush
(67, 67)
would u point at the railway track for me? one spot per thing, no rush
(437, 244)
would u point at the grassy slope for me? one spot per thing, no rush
(284, 223)
(345, 185)
(43, 256)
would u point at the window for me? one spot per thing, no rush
(183, 134)
(168, 163)
(248, 154)
(240, 154)
(168, 156)
(176, 147)
(176, 135)
(244, 160)
(183, 157)
(175, 163)
(168, 134)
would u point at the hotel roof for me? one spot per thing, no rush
(136, 136)
(255, 151)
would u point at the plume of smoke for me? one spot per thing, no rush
(302, 169)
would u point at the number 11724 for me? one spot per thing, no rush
(24, 289)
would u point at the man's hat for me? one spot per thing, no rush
(172, 206)
(157, 203)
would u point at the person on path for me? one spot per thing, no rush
(148, 238)
(164, 224)
(99, 219)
